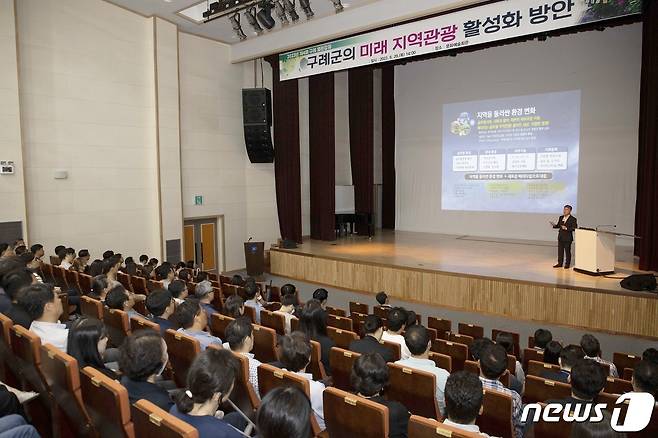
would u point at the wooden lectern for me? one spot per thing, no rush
(595, 251)
(254, 255)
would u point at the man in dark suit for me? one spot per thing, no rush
(566, 224)
(569, 355)
(370, 343)
(587, 381)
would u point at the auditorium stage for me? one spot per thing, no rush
(511, 278)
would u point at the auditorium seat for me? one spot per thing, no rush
(516, 339)
(432, 333)
(358, 319)
(182, 349)
(316, 367)
(473, 367)
(538, 369)
(442, 326)
(142, 324)
(223, 279)
(627, 374)
(543, 429)
(217, 299)
(244, 395)
(415, 389)
(342, 361)
(617, 386)
(191, 287)
(273, 293)
(250, 312)
(91, 307)
(342, 338)
(496, 417)
(356, 307)
(625, 360)
(228, 290)
(441, 360)
(107, 403)
(47, 271)
(339, 322)
(458, 352)
(117, 325)
(265, 344)
(395, 348)
(71, 277)
(62, 377)
(275, 321)
(152, 285)
(59, 277)
(421, 427)
(382, 312)
(460, 339)
(651, 431)
(84, 281)
(294, 325)
(9, 368)
(336, 311)
(472, 330)
(538, 389)
(151, 421)
(138, 285)
(270, 377)
(218, 324)
(348, 415)
(532, 354)
(124, 279)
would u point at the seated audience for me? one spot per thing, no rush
(587, 381)
(396, 323)
(552, 352)
(143, 260)
(506, 340)
(178, 291)
(240, 340)
(142, 359)
(542, 338)
(192, 320)
(287, 309)
(568, 357)
(130, 267)
(87, 343)
(236, 280)
(234, 306)
(289, 289)
(313, 323)
(164, 274)
(645, 377)
(254, 299)
(295, 357)
(38, 251)
(592, 349)
(650, 354)
(45, 307)
(411, 318)
(205, 294)
(119, 298)
(80, 263)
(57, 250)
(596, 428)
(107, 254)
(67, 255)
(7, 266)
(493, 364)
(477, 346)
(95, 268)
(322, 296)
(15, 426)
(368, 378)
(201, 277)
(15, 283)
(464, 397)
(100, 286)
(111, 268)
(161, 306)
(371, 341)
(33, 265)
(382, 300)
(284, 412)
(20, 250)
(6, 250)
(418, 344)
(184, 275)
(210, 381)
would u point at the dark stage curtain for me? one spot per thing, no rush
(285, 108)
(361, 138)
(388, 147)
(646, 209)
(322, 155)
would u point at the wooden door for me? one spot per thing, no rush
(190, 241)
(208, 240)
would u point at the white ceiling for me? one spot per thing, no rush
(220, 29)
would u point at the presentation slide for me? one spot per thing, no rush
(514, 154)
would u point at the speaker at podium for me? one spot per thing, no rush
(254, 255)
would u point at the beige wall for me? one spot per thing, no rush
(11, 186)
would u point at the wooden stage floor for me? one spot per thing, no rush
(511, 278)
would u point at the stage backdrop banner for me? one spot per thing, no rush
(468, 27)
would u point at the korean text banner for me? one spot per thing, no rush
(469, 27)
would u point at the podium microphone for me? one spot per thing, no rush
(249, 239)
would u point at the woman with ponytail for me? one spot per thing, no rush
(209, 383)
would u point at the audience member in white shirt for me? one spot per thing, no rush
(240, 339)
(254, 299)
(287, 308)
(418, 341)
(295, 357)
(45, 307)
(165, 274)
(192, 319)
(67, 256)
(396, 323)
(464, 398)
(119, 298)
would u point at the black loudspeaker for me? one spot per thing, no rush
(639, 282)
(257, 120)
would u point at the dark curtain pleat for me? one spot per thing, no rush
(646, 209)
(285, 108)
(361, 139)
(322, 155)
(388, 147)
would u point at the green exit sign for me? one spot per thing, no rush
(198, 200)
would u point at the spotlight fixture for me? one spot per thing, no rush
(338, 6)
(280, 12)
(290, 9)
(265, 15)
(237, 27)
(250, 13)
(306, 7)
